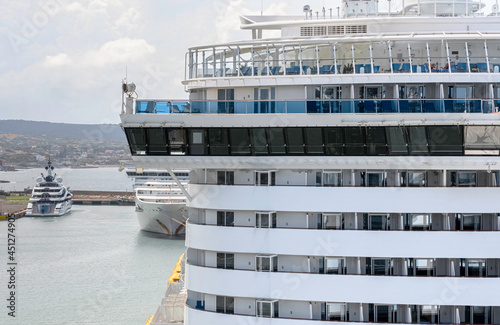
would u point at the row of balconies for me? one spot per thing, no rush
(339, 178)
(376, 266)
(289, 310)
(349, 221)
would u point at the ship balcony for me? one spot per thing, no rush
(343, 288)
(221, 310)
(346, 199)
(344, 243)
(348, 106)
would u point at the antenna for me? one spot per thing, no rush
(262, 7)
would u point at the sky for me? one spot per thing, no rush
(64, 60)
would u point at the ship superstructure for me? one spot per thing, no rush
(50, 198)
(346, 172)
(160, 204)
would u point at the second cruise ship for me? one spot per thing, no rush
(345, 172)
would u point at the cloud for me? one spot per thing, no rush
(119, 51)
(59, 60)
(71, 69)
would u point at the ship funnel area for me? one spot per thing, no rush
(442, 8)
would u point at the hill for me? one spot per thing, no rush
(93, 133)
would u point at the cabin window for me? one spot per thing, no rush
(267, 308)
(266, 263)
(225, 178)
(225, 218)
(225, 261)
(265, 220)
(225, 305)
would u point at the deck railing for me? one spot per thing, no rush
(354, 106)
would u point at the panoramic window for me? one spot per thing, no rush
(376, 142)
(445, 140)
(259, 141)
(225, 218)
(314, 141)
(137, 140)
(396, 141)
(157, 141)
(276, 141)
(334, 141)
(354, 141)
(177, 141)
(218, 141)
(240, 141)
(295, 141)
(417, 140)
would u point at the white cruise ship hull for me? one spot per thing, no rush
(49, 209)
(161, 218)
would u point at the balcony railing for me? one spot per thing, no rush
(348, 106)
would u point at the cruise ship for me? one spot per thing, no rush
(346, 171)
(50, 198)
(160, 204)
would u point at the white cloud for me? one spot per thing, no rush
(71, 70)
(59, 60)
(120, 51)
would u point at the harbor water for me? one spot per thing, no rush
(92, 266)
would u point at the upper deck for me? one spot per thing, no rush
(447, 39)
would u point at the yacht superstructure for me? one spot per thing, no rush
(160, 204)
(50, 198)
(345, 172)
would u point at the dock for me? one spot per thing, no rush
(103, 198)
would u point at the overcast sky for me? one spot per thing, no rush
(63, 60)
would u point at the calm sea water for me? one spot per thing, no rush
(96, 179)
(93, 266)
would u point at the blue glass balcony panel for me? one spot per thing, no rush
(357, 106)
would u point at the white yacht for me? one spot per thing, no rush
(160, 204)
(347, 171)
(50, 198)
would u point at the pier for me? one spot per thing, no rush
(103, 198)
(79, 198)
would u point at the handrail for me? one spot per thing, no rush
(319, 106)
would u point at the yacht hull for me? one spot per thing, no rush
(161, 218)
(46, 210)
